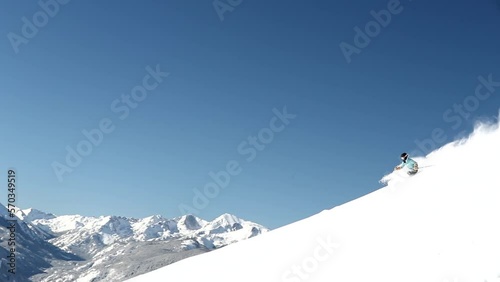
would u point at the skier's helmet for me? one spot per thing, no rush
(404, 157)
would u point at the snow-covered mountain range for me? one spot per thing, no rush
(113, 248)
(33, 252)
(440, 225)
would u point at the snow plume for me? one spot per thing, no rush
(458, 155)
(440, 225)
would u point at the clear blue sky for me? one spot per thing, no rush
(353, 120)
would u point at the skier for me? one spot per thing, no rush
(409, 163)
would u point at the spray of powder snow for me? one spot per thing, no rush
(456, 155)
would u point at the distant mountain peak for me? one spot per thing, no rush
(32, 214)
(228, 218)
(191, 222)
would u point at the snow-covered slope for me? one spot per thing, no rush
(441, 225)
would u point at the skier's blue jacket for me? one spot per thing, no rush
(410, 164)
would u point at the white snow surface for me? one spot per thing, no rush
(441, 225)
